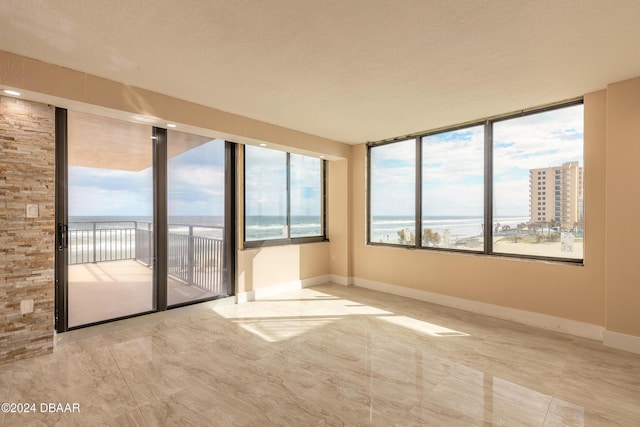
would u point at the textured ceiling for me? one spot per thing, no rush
(352, 71)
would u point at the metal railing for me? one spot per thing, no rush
(194, 259)
(91, 242)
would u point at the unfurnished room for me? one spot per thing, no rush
(310, 213)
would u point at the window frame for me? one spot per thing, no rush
(418, 205)
(487, 123)
(248, 244)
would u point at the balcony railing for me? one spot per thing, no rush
(194, 259)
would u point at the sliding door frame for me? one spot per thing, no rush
(62, 219)
(160, 225)
(159, 219)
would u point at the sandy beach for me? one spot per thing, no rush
(551, 249)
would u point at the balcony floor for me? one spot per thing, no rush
(107, 290)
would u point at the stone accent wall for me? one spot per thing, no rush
(27, 161)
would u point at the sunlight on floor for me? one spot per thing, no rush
(423, 327)
(276, 330)
(318, 309)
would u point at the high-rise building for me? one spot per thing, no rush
(556, 195)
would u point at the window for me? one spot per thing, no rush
(431, 191)
(393, 193)
(306, 196)
(284, 197)
(552, 140)
(453, 189)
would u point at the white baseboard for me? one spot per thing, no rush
(621, 341)
(544, 321)
(341, 280)
(244, 297)
(318, 280)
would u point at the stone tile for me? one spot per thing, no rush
(329, 355)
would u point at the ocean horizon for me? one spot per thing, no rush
(256, 227)
(383, 227)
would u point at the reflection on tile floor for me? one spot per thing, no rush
(328, 355)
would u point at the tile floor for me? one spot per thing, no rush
(327, 355)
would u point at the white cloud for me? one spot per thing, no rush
(453, 164)
(454, 200)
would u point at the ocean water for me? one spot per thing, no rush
(256, 227)
(383, 228)
(274, 227)
(203, 226)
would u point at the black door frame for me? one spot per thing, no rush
(62, 219)
(160, 226)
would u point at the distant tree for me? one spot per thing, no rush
(406, 236)
(430, 238)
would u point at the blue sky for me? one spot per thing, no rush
(196, 185)
(453, 165)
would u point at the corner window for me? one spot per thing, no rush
(284, 197)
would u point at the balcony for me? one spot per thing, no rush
(111, 275)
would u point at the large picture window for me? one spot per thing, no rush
(538, 185)
(510, 186)
(284, 197)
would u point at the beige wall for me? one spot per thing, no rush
(261, 268)
(623, 207)
(339, 218)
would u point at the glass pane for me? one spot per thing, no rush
(195, 199)
(393, 183)
(110, 197)
(453, 189)
(306, 196)
(265, 180)
(538, 184)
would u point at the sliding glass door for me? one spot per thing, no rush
(144, 219)
(196, 226)
(110, 223)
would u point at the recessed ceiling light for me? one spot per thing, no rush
(171, 125)
(263, 145)
(11, 92)
(322, 157)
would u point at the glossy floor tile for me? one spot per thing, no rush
(327, 355)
